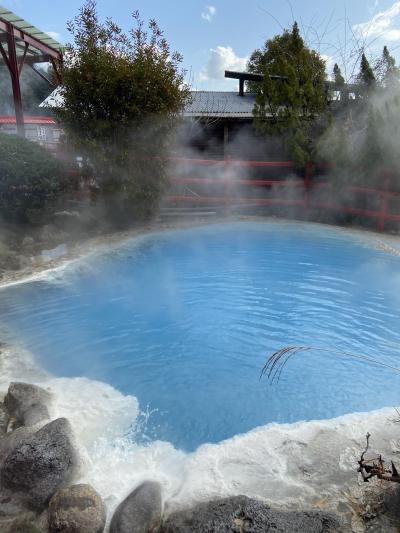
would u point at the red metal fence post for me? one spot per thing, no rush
(384, 202)
(228, 177)
(308, 170)
(380, 213)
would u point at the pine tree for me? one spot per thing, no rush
(289, 105)
(337, 75)
(390, 73)
(366, 75)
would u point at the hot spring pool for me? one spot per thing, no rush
(184, 321)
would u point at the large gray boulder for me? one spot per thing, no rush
(77, 509)
(41, 464)
(9, 260)
(11, 506)
(240, 514)
(3, 419)
(13, 439)
(27, 404)
(140, 512)
(50, 234)
(25, 523)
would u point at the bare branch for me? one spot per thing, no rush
(278, 360)
(375, 467)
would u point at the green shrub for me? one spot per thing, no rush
(31, 180)
(123, 94)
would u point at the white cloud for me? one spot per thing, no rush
(209, 13)
(372, 6)
(329, 62)
(55, 35)
(221, 58)
(384, 24)
(392, 35)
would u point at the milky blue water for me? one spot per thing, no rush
(185, 319)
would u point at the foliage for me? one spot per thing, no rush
(31, 180)
(366, 76)
(337, 76)
(122, 94)
(385, 69)
(362, 140)
(370, 155)
(290, 104)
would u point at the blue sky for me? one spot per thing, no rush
(214, 35)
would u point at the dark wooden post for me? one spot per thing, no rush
(14, 73)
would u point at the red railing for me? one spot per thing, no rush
(306, 188)
(230, 162)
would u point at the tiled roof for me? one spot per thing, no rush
(26, 27)
(211, 104)
(10, 119)
(220, 104)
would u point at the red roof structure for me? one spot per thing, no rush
(11, 119)
(21, 44)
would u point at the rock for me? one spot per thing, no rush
(14, 516)
(4, 248)
(77, 509)
(27, 404)
(24, 261)
(67, 221)
(27, 241)
(41, 464)
(11, 506)
(35, 415)
(3, 419)
(49, 233)
(25, 523)
(140, 512)
(381, 509)
(9, 260)
(240, 514)
(12, 440)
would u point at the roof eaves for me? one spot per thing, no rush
(8, 16)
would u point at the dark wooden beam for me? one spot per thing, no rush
(4, 56)
(30, 39)
(241, 87)
(39, 73)
(245, 76)
(14, 73)
(345, 89)
(57, 69)
(22, 59)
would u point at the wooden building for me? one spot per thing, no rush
(42, 130)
